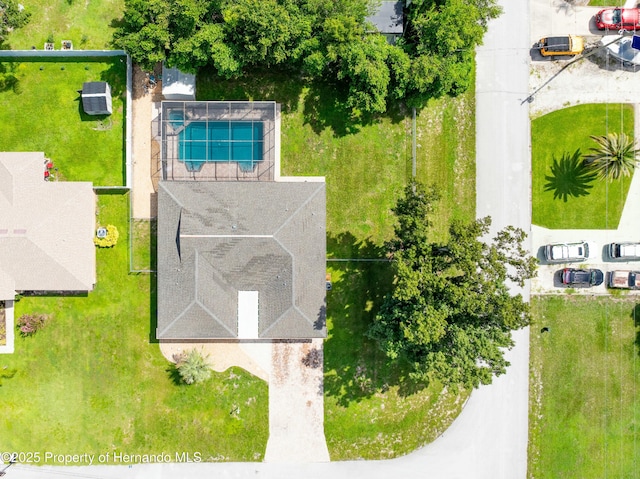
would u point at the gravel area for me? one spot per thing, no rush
(143, 191)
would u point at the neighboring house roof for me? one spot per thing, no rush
(96, 98)
(177, 85)
(388, 18)
(249, 250)
(46, 229)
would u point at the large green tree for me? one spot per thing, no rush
(451, 314)
(325, 40)
(12, 15)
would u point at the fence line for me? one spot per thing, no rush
(361, 260)
(44, 54)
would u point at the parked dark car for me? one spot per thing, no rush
(583, 278)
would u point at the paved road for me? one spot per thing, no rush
(489, 438)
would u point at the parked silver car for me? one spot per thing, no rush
(626, 250)
(566, 252)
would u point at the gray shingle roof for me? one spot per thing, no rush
(388, 18)
(218, 238)
(94, 87)
(96, 98)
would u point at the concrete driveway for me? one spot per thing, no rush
(592, 78)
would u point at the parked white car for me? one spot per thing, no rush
(628, 251)
(621, 47)
(567, 252)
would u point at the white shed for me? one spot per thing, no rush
(177, 85)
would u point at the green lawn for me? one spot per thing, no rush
(372, 410)
(88, 24)
(44, 113)
(564, 131)
(92, 382)
(144, 245)
(585, 388)
(606, 3)
(366, 167)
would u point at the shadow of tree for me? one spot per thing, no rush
(635, 315)
(8, 78)
(569, 177)
(355, 367)
(325, 107)
(324, 104)
(259, 85)
(346, 245)
(174, 375)
(116, 75)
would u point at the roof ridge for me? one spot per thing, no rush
(304, 203)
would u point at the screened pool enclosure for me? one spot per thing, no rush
(218, 140)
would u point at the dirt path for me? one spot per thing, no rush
(143, 191)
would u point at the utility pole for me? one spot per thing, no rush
(2, 472)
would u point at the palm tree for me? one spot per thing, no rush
(614, 156)
(193, 367)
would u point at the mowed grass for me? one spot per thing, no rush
(44, 113)
(143, 253)
(564, 131)
(89, 24)
(366, 167)
(92, 382)
(585, 388)
(372, 409)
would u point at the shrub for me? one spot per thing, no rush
(29, 324)
(109, 240)
(193, 367)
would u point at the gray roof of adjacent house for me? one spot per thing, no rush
(241, 260)
(388, 18)
(96, 98)
(46, 229)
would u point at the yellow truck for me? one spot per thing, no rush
(562, 45)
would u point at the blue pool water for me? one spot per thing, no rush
(202, 142)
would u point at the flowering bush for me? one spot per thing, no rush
(30, 324)
(109, 240)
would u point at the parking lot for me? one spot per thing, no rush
(548, 282)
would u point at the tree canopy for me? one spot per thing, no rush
(450, 314)
(322, 39)
(12, 15)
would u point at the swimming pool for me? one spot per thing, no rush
(201, 142)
